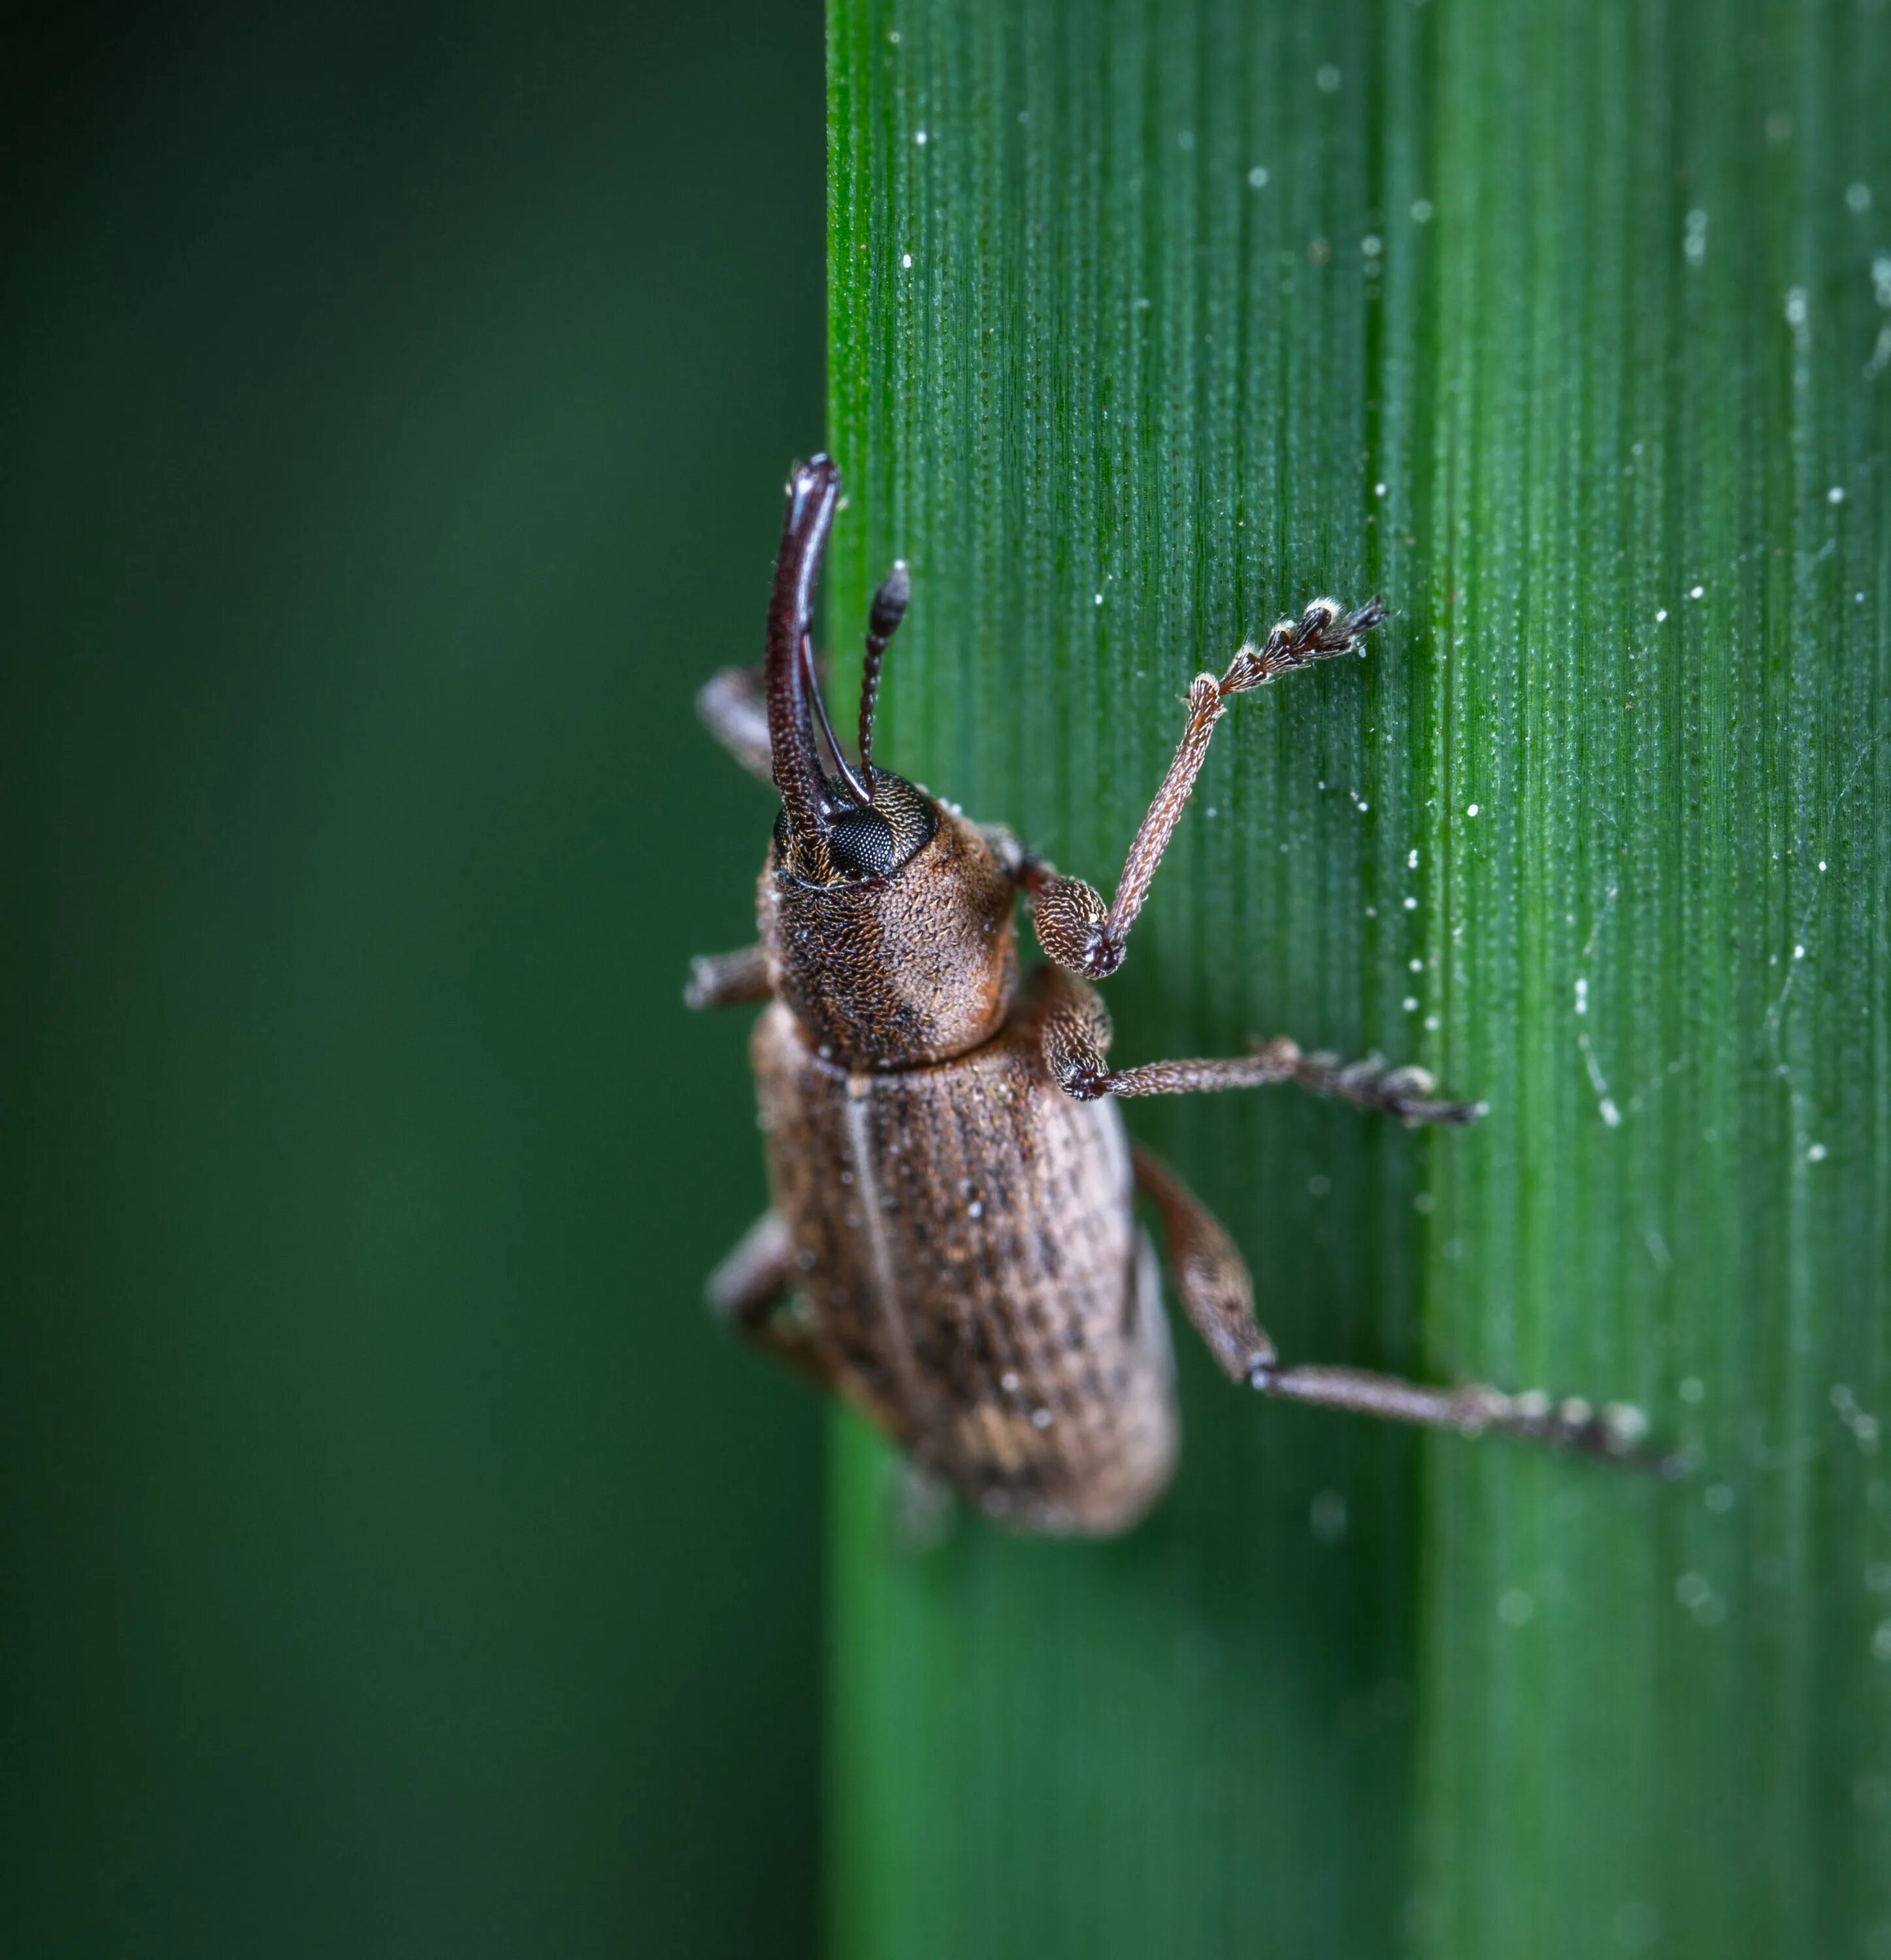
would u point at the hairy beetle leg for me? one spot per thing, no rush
(1074, 925)
(728, 979)
(1076, 1038)
(733, 704)
(1373, 1083)
(1218, 1295)
(749, 1292)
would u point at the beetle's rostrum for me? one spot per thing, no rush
(953, 1245)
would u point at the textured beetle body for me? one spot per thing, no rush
(953, 1246)
(964, 1235)
(885, 973)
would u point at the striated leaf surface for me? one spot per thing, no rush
(1569, 331)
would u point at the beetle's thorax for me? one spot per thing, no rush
(897, 971)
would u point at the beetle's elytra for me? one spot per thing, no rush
(953, 1245)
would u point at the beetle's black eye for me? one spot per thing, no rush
(859, 841)
(862, 844)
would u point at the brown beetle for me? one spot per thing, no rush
(953, 1246)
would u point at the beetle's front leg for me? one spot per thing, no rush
(733, 704)
(728, 979)
(1074, 927)
(1217, 1296)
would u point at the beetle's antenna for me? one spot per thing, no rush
(889, 608)
(813, 490)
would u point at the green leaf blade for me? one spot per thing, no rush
(1536, 321)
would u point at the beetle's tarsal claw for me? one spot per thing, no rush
(1323, 632)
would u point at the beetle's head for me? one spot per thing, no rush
(858, 823)
(886, 917)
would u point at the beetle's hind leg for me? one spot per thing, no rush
(1217, 1296)
(748, 1292)
(752, 1292)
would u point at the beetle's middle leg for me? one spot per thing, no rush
(728, 979)
(1217, 1296)
(1076, 1038)
(1074, 925)
(1370, 1083)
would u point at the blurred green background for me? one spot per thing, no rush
(395, 403)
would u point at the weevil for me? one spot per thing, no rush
(953, 1245)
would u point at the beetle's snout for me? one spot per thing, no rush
(798, 726)
(813, 493)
